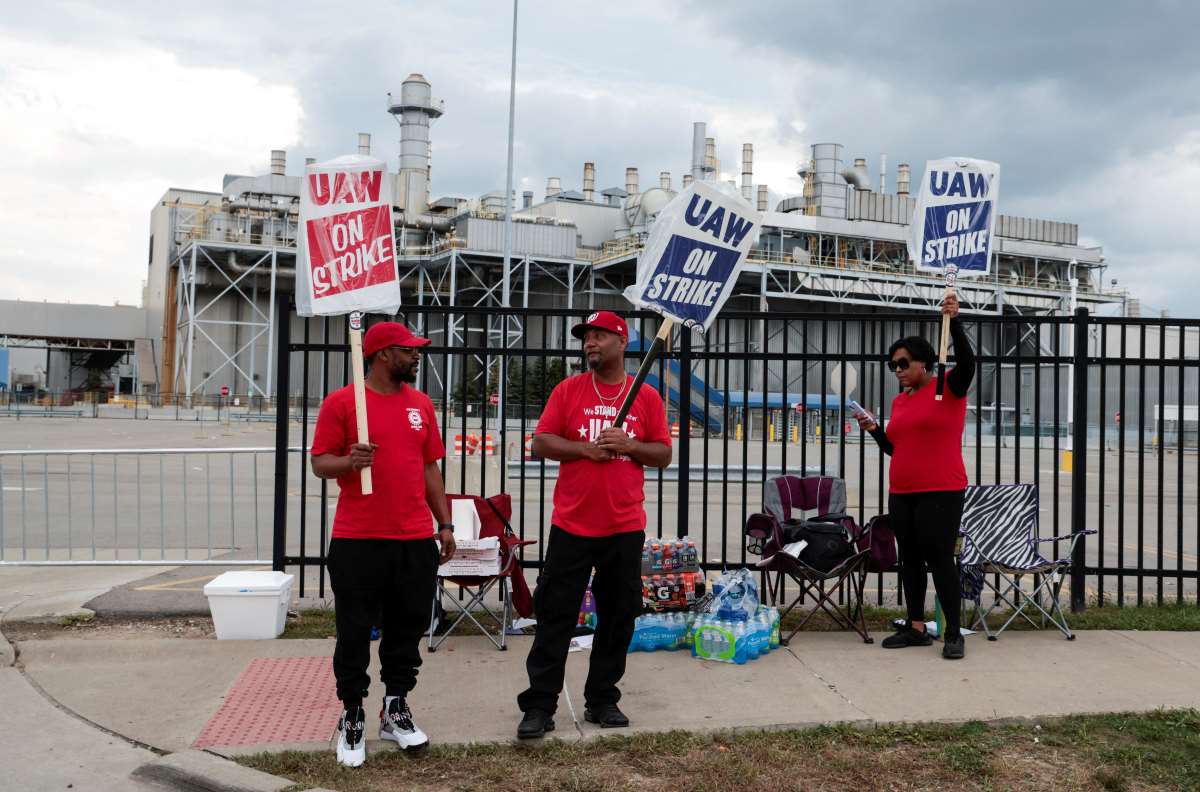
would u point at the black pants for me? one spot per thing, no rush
(926, 526)
(384, 583)
(617, 588)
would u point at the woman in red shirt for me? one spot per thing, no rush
(927, 477)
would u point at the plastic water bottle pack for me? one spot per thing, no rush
(735, 641)
(655, 631)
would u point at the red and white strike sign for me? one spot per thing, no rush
(346, 255)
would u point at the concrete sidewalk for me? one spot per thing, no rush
(162, 692)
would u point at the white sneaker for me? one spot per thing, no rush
(351, 744)
(396, 724)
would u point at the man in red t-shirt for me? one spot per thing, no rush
(598, 522)
(383, 559)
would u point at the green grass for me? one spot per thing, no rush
(1154, 751)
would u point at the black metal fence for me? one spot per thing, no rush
(1101, 413)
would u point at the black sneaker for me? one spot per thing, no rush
(535, 723)
(396, 724)
(607, 716)
(955, 648)
(351, 747)
(906, 637)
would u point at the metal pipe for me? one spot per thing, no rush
(508, 190)
(364, 143)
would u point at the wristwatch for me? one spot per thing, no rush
(445, 527)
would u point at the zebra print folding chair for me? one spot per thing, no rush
(1000, 538)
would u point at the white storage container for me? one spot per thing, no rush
(248, 605)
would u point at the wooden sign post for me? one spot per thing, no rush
(360, 392)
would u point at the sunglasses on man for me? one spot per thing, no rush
(898, 363)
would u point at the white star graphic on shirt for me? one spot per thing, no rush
(583, 432)
(632, 434)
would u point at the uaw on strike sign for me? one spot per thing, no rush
(346, 259)
(955, 216)
(694, 254)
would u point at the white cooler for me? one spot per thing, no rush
(248, 605)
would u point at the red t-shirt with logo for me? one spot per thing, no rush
(926, 437)
(405, 427)
(601, 498)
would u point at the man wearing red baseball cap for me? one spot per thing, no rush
(383, 559)
(598, 522)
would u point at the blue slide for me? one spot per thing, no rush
(716, 399)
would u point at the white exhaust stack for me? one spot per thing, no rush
(698, 150)
(589, 181)
(747, 171)
(882, 173)
(902, 179)
(527, 199)
(687, 180)
(664, 180)
(631, 181)
(553, 186)
(710, 157)
(364, 143)
(762, 198)
(278, 162)
(309, 161)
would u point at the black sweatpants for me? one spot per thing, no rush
(384, 583)
(926, 526)
(617, 588)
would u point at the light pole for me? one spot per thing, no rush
(506, 287)
(1068, 452)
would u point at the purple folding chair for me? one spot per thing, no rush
(772, 534)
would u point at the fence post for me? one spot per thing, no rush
(283, 361)
(1079, 376)
(683, 500)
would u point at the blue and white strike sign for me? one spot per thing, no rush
(955, 216)
(694, 254)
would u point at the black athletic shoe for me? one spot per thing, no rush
(535, 724)
(955, 648)
(906, 637)
(607, 716)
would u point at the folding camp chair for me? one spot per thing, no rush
(785, 499)
(494, 514)
(1000, 538)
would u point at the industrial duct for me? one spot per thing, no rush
(857, 175)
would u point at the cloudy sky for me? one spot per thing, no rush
(1092, 109)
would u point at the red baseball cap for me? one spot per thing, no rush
(601, 320)
(389, 334)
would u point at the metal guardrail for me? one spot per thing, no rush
(136, 506)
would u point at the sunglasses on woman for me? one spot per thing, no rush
(899, 363)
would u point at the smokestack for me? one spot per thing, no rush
(664, 180)
(364, 143)
(589, 181)
(710, 156)
(278, 162)
(902, 179)
(631, 181)
(527, 199)
(762, 198)
(698, 150)
(415, 110)
(882, 173)
(857, 175)
(747, 171)
(553, 186)
(687, 180)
